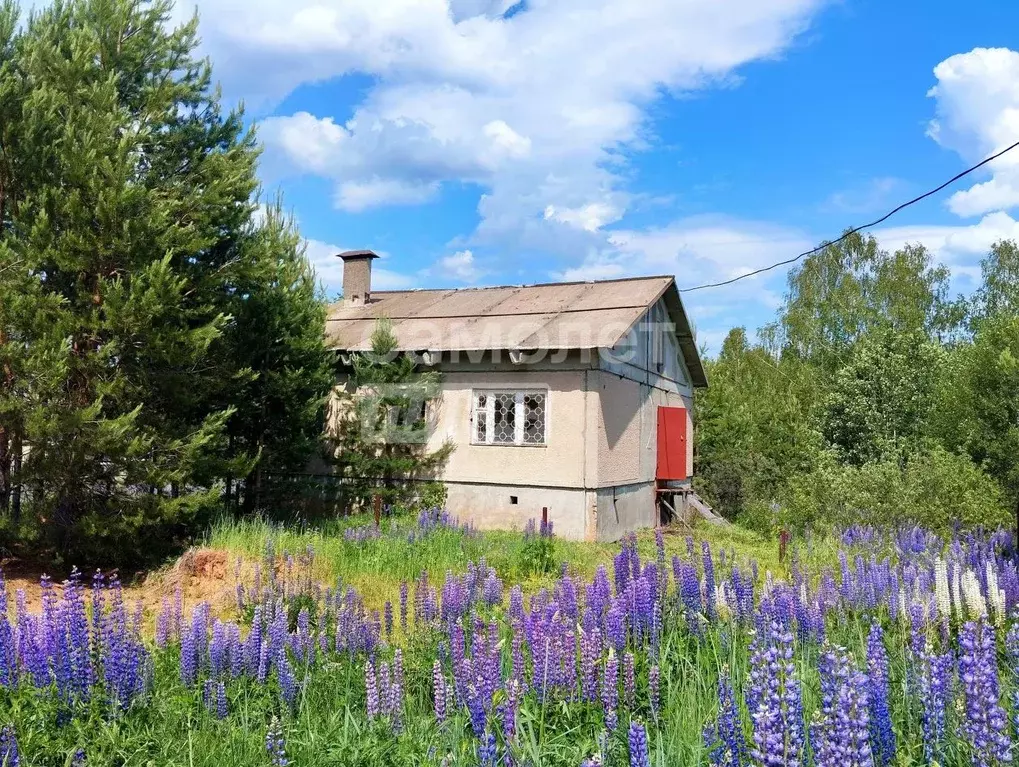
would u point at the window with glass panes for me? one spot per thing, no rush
(510, 417)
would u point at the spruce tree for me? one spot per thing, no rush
(383, 424)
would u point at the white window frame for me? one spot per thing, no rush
(518, 412)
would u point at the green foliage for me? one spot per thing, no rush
(384, 424)
(882, 398)
(537, 556)
(932, 487)
(874, 397)
(754, 427)
(980, 401)
(155, 340)
(432, 495)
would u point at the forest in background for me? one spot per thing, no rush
(875, 396)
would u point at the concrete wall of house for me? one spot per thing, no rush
(596, 472)
(642, 373)
(490, 507)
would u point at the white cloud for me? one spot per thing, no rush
(590, 217)
(977, 107)
(355, 196)
(539, 109)
(459, 266)
(871, 195)
(329, 269)
(959, 247)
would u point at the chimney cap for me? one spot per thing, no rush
(356, 254)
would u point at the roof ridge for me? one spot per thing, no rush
(529, 285)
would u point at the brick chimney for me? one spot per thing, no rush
(357, 276)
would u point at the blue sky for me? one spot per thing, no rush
(584, 139)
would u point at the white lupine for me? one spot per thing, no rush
(903, 614)
(976, 606)
(956, 590)
(721, 602)
(995, 596)
(941, 594)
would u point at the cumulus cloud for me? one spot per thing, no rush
(539, 108)
(977, 114)
(459, 266)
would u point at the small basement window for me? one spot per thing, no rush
(510, 417)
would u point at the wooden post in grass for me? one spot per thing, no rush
(377, 509)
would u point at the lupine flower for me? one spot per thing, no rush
(629, 679)
(724, 740)
(654, 693)
(935, 682)
(486, 751)
(985, 722)
(10, 756)
(275, 744)
(371, 689)
(637, 738)
(841, 736)
(439, 694)
(882, 736)
(610, 691)
(777, 710)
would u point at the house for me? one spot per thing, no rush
(575, 397)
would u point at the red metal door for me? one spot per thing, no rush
(672, 438)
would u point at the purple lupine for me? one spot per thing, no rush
(629, 679)
(615, 625)
(491, 589)
(404, 588)
(371, 689)
(387, 613)
(396, 690)
(285, 677)
(276, 745)
(78, 758)
(654, 690)
(610, 692)
(985, 722)
(222, 708)
(935, 686)
(777, 710)
(10, 756)
(590, 653)
(486, 750)
(724, 739)
(637, 739)
(477, 712)
(882, 736)
(188, 659)
(439, 692)
(509, 710)
(709, 581)
(841, 736)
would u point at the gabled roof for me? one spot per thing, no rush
(562, 315)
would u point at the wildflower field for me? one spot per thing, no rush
(427, 643)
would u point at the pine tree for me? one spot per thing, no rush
(383, 424)
(127, 214)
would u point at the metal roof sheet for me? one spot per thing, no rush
(573, 315)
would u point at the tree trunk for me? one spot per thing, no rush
(16, 448)
(5, 471)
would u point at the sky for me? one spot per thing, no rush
(492, 142)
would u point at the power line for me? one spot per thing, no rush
(854, 230)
